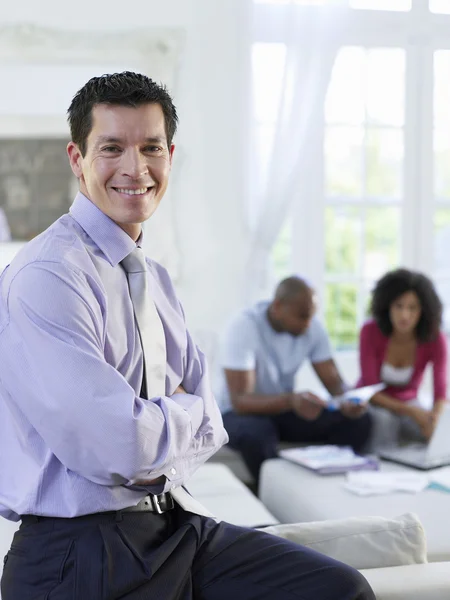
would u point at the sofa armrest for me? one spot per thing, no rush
(362, 542)
(412, 582)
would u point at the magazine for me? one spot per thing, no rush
(329, 459)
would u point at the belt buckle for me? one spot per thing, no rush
(156, 504)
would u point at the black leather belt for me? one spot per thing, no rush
(159, 504)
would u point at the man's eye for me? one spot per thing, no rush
(152, 149)
(111, 149)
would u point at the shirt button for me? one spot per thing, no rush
(172, 487)
(173, 471)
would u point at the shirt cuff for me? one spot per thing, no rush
(193, 405)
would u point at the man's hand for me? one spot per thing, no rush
(307, 405)
(425, 419)
(352, 410)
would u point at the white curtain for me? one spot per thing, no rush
(305, 79)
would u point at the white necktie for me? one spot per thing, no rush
(154, 348)
(149, 324)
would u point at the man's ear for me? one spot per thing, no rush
(171, 151)
(276, 305)
(75, 159)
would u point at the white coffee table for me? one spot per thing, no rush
(295, 494)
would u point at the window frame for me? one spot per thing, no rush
(420, 33)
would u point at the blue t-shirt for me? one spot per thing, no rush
(250, 343)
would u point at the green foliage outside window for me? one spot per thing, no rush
(359, 244)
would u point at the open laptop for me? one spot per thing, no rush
(425, 456)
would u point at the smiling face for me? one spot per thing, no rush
(126, 168)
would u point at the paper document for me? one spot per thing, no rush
(372, 484)
(440, 479)
(329, 459)
(360, 395)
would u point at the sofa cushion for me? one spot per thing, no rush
(215, 486)
(414, 582)
(362, 542)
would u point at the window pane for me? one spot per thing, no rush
(442, 242)
(442, 88)
(267, 70)
(343, 228)
(442, 123)
(381, 4)
(382, 249)
(384, 162)
(343, 161)
(386, 86)
(345, 98)
(366, 299)
(441, 165)
(341, 314)
(440, 6)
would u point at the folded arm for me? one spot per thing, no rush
(82, 407)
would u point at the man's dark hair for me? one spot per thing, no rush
(290, 288)
(396, 283)
(120, 89)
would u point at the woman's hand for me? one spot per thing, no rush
(353, 410)
(425, 419)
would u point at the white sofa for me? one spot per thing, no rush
(230, 500)
(301, 495)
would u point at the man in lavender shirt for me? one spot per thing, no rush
(89, 463)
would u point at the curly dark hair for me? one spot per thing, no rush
(396, 283)
(121, 89)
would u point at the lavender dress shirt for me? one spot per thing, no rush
(75, 436)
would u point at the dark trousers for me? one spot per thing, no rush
(256, 437)
(173, 556)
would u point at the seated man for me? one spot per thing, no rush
(263, 348)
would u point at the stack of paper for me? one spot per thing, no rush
(360, 395)
(440, 479)
(368, 484)
(329, 459)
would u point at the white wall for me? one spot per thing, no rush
(210, 192)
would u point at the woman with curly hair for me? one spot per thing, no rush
(396, 345)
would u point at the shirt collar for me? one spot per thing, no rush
(104, 232)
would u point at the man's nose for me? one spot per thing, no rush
(134, 164)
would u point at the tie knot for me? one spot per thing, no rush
(135, 262)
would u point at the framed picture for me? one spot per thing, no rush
(36, 186)
(36, 182)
